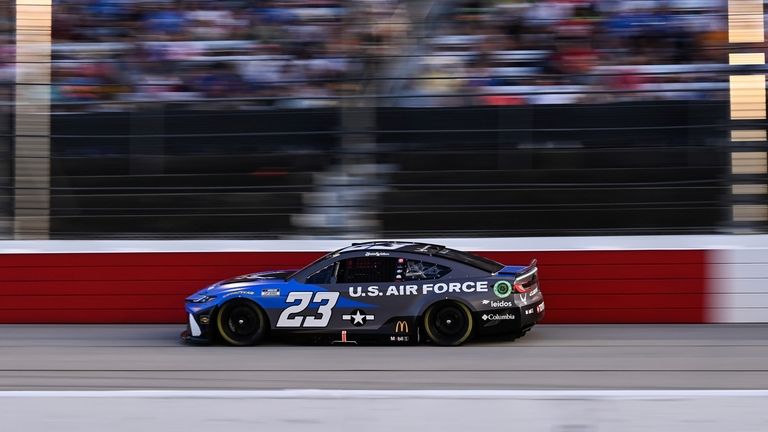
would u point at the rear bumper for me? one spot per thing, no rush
(510, 320)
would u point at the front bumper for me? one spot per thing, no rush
(199, 326)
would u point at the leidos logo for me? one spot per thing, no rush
(498, 303)
(401, 327)
(501, 304)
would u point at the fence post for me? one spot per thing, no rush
(749, 159)
(32, 149)
(6, 183)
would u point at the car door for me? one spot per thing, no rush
(363, 292)
(355, 286)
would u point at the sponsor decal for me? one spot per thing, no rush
(399, 338)
(270, 292)
(497, 317)
(358, 318)
(401, 327)
(363, 246)
(540, 308)
(502, 289)
(405, 290)
(239, 293)
(524, 298)
(499, 303)
(528, 311)
(205, 319)
(377, 254)
(502, 304)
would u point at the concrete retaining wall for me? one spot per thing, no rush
(670, 279)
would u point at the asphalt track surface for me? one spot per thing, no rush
(96, 357)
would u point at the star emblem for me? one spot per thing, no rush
(358, 318)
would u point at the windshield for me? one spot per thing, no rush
(324, 257)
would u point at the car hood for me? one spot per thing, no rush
(248, 280)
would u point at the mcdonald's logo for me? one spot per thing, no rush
(401, 327)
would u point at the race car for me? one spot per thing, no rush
(374, 292)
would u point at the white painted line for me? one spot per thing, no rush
(532, 244)
(391, 394)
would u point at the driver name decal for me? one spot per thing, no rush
(405, 290)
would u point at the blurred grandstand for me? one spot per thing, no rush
(289, 53)
(289, 118)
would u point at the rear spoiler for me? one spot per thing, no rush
(526, 278)
(517, 271)
(527, 273)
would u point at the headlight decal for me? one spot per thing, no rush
(202, 299)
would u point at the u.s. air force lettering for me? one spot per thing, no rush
(404, 290)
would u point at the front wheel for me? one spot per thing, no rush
(241, 323)
(448, 323)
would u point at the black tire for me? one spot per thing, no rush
(448, 323)
(241, 322)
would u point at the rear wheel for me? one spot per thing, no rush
(241, 322)
(448, 323)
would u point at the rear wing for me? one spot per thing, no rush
(527, 273)
(527, 279)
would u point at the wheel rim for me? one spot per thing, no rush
(242, 321)
(448, 324)
(449, 321)
(240, 324)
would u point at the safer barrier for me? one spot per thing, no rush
(673, 279)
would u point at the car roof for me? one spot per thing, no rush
(400, 246)
(428, 249)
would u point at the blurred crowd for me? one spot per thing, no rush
(7, 56)
(566, 51)
(313, 53)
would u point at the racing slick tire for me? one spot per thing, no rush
(448, 323)
(241, 323)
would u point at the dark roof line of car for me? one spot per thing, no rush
(424, 249)
(393, 245)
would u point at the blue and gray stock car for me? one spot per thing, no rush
(376, 292)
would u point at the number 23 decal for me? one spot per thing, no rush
(327, 300)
